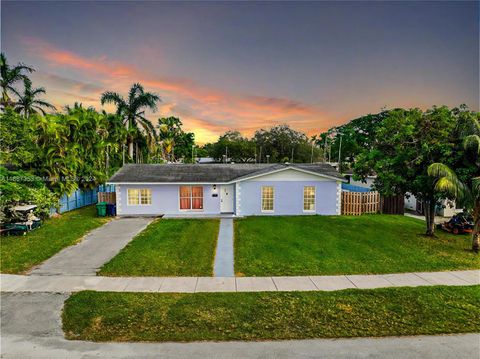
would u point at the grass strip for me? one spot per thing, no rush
(168, 247)
(20, 253)
(107, 316)
(328, 245)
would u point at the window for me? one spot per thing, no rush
(191, 197)
(139, 196)
(309, 198)
(267, 199)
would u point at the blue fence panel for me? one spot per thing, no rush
(352, 188)
(81, 198)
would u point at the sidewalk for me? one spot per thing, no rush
(66, 284)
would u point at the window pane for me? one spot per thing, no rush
(197, 191)
(145, 196)
(267, 198)
(185, 191)
(309, 198)
(197, 203)
(133, 196)
(185, 203)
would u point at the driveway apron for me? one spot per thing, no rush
(97, 248)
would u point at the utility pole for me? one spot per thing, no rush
(123, 155)
(291, 159)
(311, 156)
(325, 150)
(193, 148)
(226, 154)
(340, 151)
(260, 157)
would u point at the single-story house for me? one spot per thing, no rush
(236, 189)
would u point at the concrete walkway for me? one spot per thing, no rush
(31, 328)
(97, 248)
(223, 265)
(66, 284)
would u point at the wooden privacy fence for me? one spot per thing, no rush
(357, 203)
(393, 204)
(108, 197)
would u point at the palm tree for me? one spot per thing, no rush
(27, 103)
(170, 129)
(132, 111)
(10, 75)
(467, 193)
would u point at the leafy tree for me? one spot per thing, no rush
(27, 103)
(234, 147)
(283, 144)
(19, 187)
(17, 142)
(467, 190)
(75, 148)
(406, 143)
(132, 110)
(9, 76)
(354, 136)
(174, 142)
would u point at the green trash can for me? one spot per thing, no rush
(102, 209)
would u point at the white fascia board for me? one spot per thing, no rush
(291, 168)
(165, 183)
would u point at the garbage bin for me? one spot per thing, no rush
(102, 209)
(111, 209)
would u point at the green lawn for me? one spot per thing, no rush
(109, 316)
(322, 245)
(20, 253)
(168, 247)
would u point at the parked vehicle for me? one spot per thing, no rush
(23, 220)
(459, 224)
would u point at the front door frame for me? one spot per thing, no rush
(227, 193)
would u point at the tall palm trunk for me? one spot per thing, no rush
(429, 209)
(130, 148)
(476, 228)
(129, 139)
(476, 236)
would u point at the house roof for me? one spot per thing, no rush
(209, 173)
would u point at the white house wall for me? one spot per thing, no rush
(165, 200)
(288, 197)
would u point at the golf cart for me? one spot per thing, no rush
(23, 220)
(459, 224)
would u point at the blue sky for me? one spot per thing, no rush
(239, 65)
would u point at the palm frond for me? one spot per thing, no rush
(134, 90)
(472, 143)
(148, 100)
(476, 187)
(448, 182)
(439, 170)
(44, 104)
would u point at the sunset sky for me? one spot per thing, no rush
(221, 66)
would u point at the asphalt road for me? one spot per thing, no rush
(31, 328)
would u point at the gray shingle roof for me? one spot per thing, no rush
(206, 173)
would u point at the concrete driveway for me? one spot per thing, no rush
(31, 328)
(97, 248)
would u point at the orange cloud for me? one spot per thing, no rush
(207, 112)
(59, 57)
